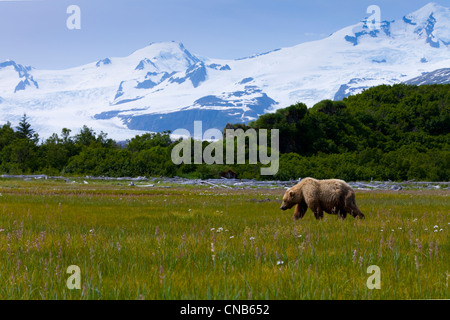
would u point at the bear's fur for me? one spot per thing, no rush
(332, 196)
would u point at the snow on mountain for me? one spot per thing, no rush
(19, 77)
(164, 87)
(440, 76)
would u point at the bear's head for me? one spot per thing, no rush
(290, 199)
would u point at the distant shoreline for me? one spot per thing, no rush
(232, 183)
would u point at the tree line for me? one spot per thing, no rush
(398, 132)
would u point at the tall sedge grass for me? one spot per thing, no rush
(188, 243)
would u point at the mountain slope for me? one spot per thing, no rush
(440, 76)
(164, 87)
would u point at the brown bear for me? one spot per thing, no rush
(332, 196)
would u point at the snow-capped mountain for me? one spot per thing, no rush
(164, 87)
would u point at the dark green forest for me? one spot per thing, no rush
(398, 132)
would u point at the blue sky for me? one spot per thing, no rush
(34, 32)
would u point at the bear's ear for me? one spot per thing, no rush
(291, 193)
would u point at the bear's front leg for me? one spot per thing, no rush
(300, 210)
(318, 213)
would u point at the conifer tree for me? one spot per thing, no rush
(24, 130)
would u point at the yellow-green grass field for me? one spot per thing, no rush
(202, 243)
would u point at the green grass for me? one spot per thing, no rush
(202, 243)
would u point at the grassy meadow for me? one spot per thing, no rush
(202, 243)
